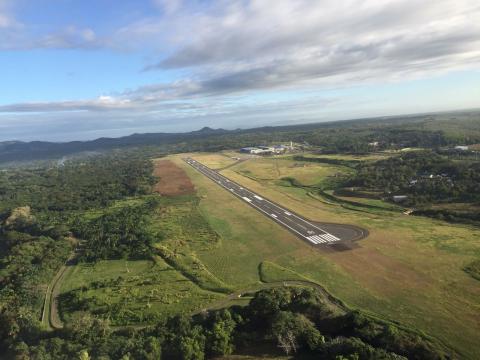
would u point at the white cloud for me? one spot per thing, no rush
(261, 34)
(240, 47)
(169, 6)
(68, 38)
(6, 21)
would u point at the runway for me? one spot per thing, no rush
(303, 228)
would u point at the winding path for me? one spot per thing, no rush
(50, 315)
(222, 303)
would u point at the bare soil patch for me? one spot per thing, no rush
(172, 179)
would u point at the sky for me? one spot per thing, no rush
(79, 70)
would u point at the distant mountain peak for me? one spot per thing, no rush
(207, 129)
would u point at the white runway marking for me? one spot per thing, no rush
(327, 237)
(246, 199)
(324, 237)
(287, 213)
(315, 239)
(273, 215)
(311, 239)
(331, 237)
(258, 197)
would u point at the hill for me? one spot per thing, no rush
(353, 136)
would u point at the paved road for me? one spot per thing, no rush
(303, 228)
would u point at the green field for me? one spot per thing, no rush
(131, 292)
(174, 281)
(410, 269)
(218, 160)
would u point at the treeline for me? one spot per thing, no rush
(404, 138)
(471, 217)
(425, 176)
(325, 160)
(295, 321)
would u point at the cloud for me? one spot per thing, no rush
(171, 117)
(261, 43)
(102, 103)
(168, 6)
(70, 37)
(6, 21)
(225, 51)
(16, 35)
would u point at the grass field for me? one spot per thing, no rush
(132, 292)
(217, 160)
(270, 272)
(275, 169)
(410, 269)
(368, 157)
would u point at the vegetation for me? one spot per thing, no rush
(130, 292)
(271, 272)
(76, 185)
(297, 320)
(39, 207)
(425, 175)
(142, 258)
(29, 256)
(121, 232)
(184, 232)
(473, 269)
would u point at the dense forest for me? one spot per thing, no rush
(121, 233)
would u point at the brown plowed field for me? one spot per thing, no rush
(172, 179)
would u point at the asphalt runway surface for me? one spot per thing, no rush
(316, 234)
